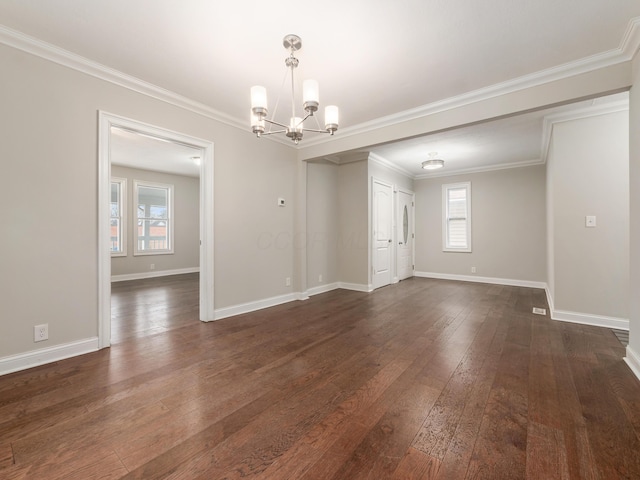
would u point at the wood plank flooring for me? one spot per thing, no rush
(426, 379)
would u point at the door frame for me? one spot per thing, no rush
(105, 122)
(398, 214)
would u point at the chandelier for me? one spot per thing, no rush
(310, 103)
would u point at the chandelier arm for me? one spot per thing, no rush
(302, 121)
(271, 132)
(273, 122)
(315, 131)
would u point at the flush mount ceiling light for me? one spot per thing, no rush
(433, 163)
(310, 103)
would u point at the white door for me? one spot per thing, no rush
(382, 212)
(405, 235)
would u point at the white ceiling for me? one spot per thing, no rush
(372, 58)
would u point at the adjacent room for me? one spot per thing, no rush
(338, 241)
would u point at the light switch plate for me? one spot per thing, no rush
(590, 221)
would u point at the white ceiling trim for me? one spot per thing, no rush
(387, 164)
(488, 168)
(68, 59)
(592, 111)
(629, 44)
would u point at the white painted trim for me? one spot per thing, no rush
(356, 287)
(152, 274)
(584, 318)
(55, 54)
(579, 113)
(257, 305)
(374, 157)
(473, 278)
(445, 216)
(123, 216)
(633, 360)
(588, 319)
(105, 122)
(624, 53)
(170, 220)
(488, 168)
(323, 289)
(23, 361)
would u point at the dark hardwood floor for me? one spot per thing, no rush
(426, 379)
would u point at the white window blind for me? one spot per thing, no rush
(456, 203)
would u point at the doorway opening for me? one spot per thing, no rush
(110, 126)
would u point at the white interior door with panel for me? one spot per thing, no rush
(405, 234)
(382, 220)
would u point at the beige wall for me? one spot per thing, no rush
(323, 210)
(634, 172)
(589, 165)
(49, 152)
(353, 223)
(186, 215)
(508, 225)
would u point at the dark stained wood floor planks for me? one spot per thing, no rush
(425, 379)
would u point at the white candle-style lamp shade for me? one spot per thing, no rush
(296, 124)
(259, 100)
(331, 118)
(310, 95)
(257, 124)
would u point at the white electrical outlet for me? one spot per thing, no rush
(41, 332)
(152, 266)
(473, 270)
(287, 282)
(320, 278)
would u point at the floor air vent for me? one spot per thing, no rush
(539, 311)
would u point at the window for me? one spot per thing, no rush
(118, 221)
(154, 215)
(456, 215)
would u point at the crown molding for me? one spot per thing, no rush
(592, 111)
(629, 44)
(374, 157)
(627, 49)
(488, 168)
(76, 62)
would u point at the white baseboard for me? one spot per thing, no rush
(248, 307)
(474, 278)
(153, 274)
(322, 289)
(588, 319)
(584, 318)
(356, 287)
(633, 360)
(22, 361)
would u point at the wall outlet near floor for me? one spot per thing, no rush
(320, 278)
(41, 332)
(152, 266)
(473, 270)
(287, 282)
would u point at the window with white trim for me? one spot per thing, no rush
(456, 217)
(154, 217)
(118, 220)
